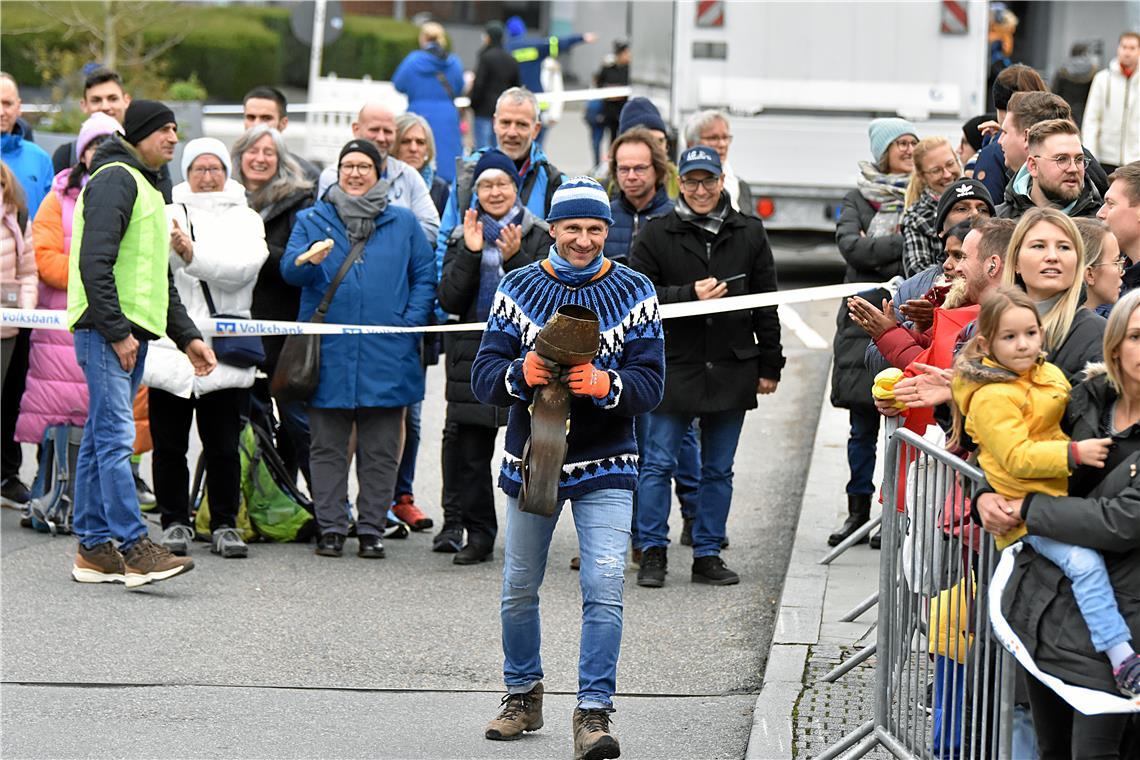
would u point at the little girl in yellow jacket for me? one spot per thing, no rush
(1010, 402)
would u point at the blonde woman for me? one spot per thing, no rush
(432, 79)
(1104, 266)
(1045, 259)
(415, 146)
(936, 167)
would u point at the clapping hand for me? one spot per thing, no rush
(181, 242)
(472, 231)
(873, 321)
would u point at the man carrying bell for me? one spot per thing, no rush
(525, 355)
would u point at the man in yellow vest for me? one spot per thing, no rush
(120, 296)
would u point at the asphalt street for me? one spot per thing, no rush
(286, 654)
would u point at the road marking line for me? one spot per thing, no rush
(794, 322)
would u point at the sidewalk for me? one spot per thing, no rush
(796, 714)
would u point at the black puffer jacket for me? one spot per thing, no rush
(458, 294)
(1083, 344)
(869, 259)
(1038, 600)
(712, 363)
(1017, 203)
(273, 298)
(108, 201)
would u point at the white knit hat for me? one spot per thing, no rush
(205, 146)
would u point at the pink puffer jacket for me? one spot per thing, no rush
(17, 267)
(56, 390)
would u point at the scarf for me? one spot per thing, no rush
(428, 174)
(731, 185)
(359, 212)
(887, 193)
(570, 274)
(710, 222)
(491, 265)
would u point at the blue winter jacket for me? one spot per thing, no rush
(538, 184)
(418, 77)
(989, 169)
(628, 222)
(30, 164)
(393, 283)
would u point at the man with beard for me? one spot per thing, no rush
(1054, 174)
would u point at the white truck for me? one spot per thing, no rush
(802, 80)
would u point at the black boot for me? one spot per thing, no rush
(858, 513)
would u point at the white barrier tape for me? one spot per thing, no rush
(44, 319)
(561, 96)
(1087, 701)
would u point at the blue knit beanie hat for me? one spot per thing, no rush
(883, 132)
(495, 159)
(640, 112)
(580, 198)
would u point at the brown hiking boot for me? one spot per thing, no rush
(521, 712)
(99, 564)
(592, 737)
(147, 561)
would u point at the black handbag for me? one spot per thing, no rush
(298, 370)
(242, 351)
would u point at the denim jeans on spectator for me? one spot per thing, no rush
(861, 445)
(602, 520)
(406, 475)
(1092, 589)
(106, 503)
(720, 434)
(484, 132)
(687, 476)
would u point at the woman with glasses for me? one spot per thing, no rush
(498, 235)
(366, 380)
(712, 128)
(415, 146)
(936, 167)
(217, 247)
(1104, 266)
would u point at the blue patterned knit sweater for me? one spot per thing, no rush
(602, 451)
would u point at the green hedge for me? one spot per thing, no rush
(230, 49)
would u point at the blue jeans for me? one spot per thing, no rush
(106, 503)
(687, 476)
(601, 519)
(1091, 588)
(861, 446)
(484, 133)
(407, 472)
(720, 433)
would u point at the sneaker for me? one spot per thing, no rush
(475, 552)
(713, 571)
(146, 496)
(519, 713)
(177, 539)
(406, 509)
(449, 540)
(330, 545)
(99, 564)
(227, 542)
(654, 567)
(592, 737)
(147, 562)
(1127, 676)
(14, 494)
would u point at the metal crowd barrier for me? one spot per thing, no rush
(943, 684)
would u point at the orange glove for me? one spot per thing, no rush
(588, 380)
(536, 370)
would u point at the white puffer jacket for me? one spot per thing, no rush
(1112, 116)
(229, 249)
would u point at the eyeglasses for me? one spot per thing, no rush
(640, 170)
(906, 144)
(691, 185)
(501, 185)
(361, 169)
(1063, 162)
(714, 139)
(202, 171)
(950, 167)
(1120, 265)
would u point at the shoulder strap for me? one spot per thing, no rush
(349, 260)
(446, 85)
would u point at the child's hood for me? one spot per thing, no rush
(971, 375)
